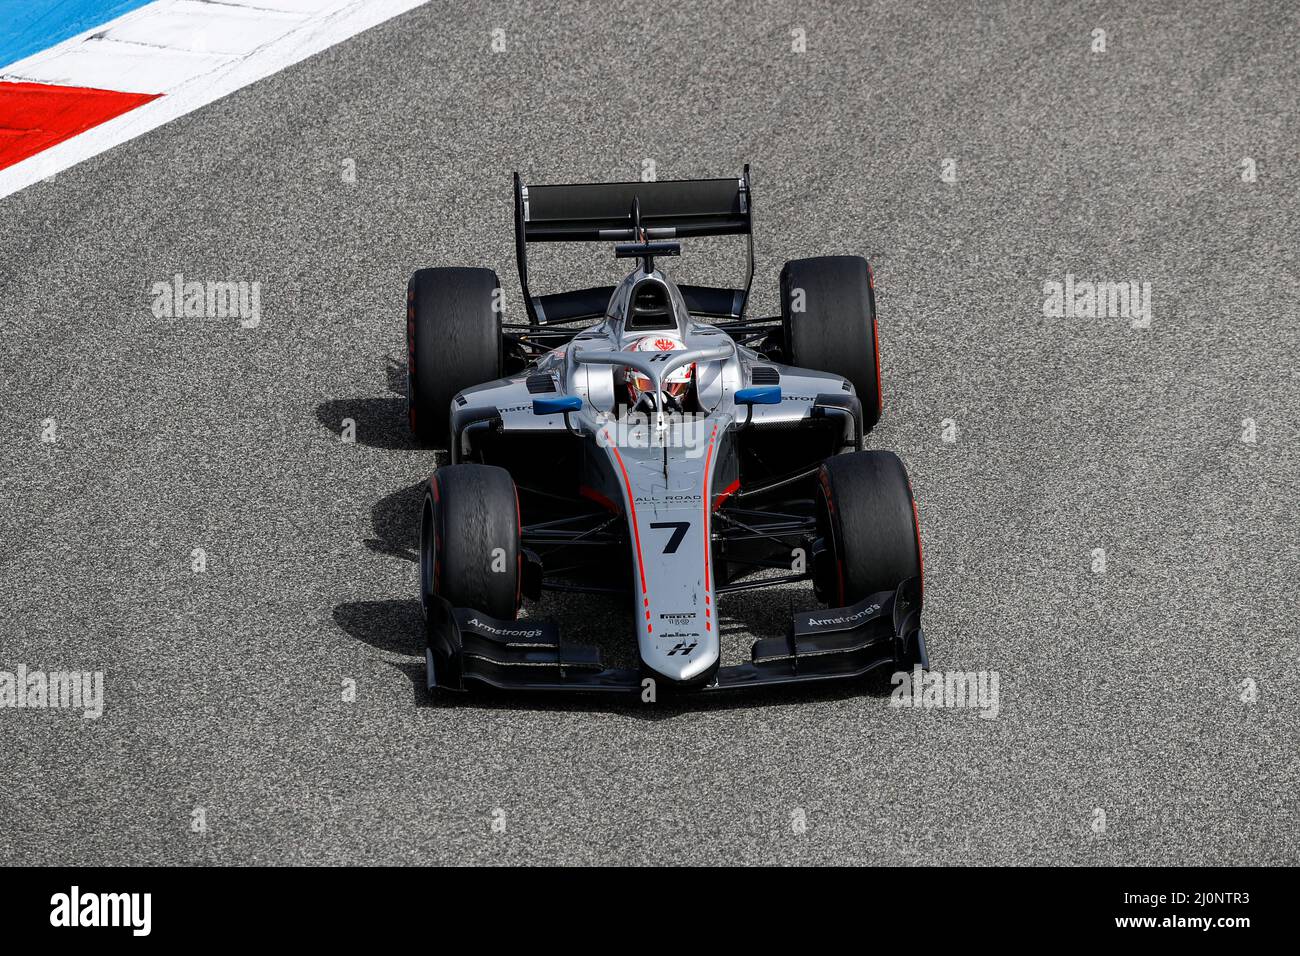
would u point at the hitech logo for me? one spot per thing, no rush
(103, 909)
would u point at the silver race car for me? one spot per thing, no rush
(649, 440)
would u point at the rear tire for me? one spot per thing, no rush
(868, 536)
(836, 329)
(453, 341)
(469, 540)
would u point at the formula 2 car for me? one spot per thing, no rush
(649, 440)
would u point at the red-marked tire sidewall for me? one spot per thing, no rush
(453, 342)
(471, 512)
(828, 317)
(867, 515)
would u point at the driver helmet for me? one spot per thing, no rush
(675, 384)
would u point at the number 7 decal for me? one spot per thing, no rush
(679, 532)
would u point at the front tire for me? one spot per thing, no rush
(469, 540)
(869, 539)
(453, 341)
(828, 315)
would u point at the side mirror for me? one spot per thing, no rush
(557, 405)
(759, 395)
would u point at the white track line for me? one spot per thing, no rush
(191, 52)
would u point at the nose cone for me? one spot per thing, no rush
(668, 526)
(698, 668)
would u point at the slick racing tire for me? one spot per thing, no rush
(469, 540)
(453, 341)
(828, 316)
(868, 538)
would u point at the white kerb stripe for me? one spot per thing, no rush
(191, 52)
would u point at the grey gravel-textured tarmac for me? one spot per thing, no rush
(1120, 691)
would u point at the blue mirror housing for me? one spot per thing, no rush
(556, 404)
(759, 395)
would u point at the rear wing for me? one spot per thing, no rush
(602, 212)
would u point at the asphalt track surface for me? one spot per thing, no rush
(1120, 691)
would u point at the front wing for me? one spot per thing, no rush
(466, 647)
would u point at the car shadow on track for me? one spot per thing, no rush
(395, 519)
(395, 374)
(380, 422)
(394, 626)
